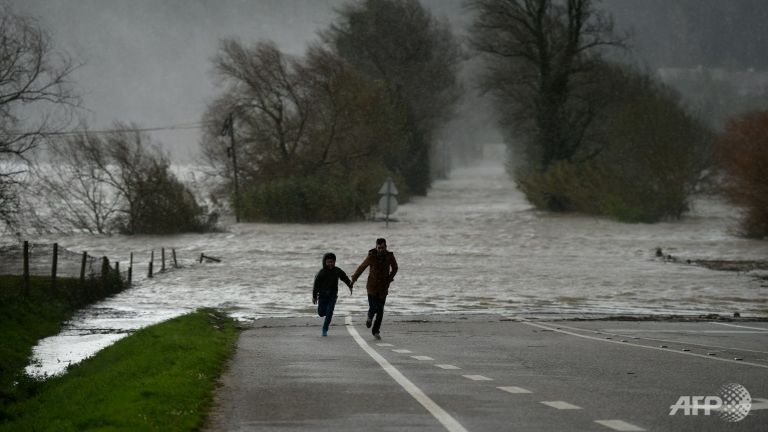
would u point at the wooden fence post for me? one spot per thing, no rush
(104, 272)
(175, 263)
(130, 270)
(54, 264)
(82, 267)
(151, 260)
(26, 268)
(162, 256)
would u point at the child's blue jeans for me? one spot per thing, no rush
(325, 306)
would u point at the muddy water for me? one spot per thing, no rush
(473, 246)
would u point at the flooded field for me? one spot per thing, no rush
(474, 245)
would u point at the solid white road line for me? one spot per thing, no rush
(422, 358)
(619, 425)
(514, 390)
(477, 378)
(447, 366)
(622, 333)
(695, 332)
(384, 344)
(763, 329)
(561, 405)
(627, 344)
(440, 414)
(402, 351)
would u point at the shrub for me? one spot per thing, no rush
(323, 197)
(649, 156)
(742, 152)
(161, 204)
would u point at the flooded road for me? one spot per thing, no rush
(474, 245)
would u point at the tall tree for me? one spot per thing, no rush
(543, 58)
(417, 56)
(299, 121)
(35, 97)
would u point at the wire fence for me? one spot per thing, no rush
(49, 260)
(46, 259)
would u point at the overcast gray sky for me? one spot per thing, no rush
(148, 61)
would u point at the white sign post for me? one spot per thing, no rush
(388, 202)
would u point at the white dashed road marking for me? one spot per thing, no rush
(514, 390)
(561, 405)
(477, 378)
(619, 425)
(446, 419)
(447, 366)
(440, 414)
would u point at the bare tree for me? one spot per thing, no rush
(269, 103)
(134, 167)
(76, 185)
(119, 180)
(34, 83)
(543, 58)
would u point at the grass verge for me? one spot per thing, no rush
(26, 319)
(161, 378)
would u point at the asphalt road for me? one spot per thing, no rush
(490, 373)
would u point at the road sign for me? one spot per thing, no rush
(388, 187)
(388, 204)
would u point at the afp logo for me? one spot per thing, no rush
(733, 403)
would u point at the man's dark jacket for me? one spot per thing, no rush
(383, 268)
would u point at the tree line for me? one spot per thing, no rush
(314, 135)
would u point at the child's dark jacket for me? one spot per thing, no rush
(327, 282)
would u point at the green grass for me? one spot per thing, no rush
(161, 378)
(26, 319)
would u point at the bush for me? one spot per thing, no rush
(324, 197)
(163, 205)
(650, 158)
(742, 152)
